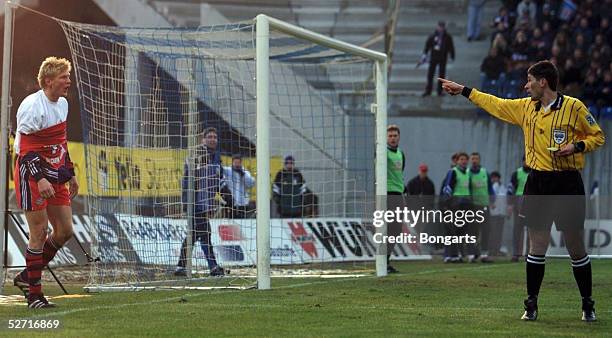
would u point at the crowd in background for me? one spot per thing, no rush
(575, 35)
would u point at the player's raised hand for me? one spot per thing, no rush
(45, 189)
(450, 86)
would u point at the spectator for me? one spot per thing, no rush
(493, 66)
(440, 45)
(521, 51)
(501, 44)
(539, 46)
(288, 190)
(555, 53)
(584, 29)
(527, 7)
(606, 88)
(579, 60)
(524, 22)
(561, 41)
(502, 20)
(474, 19)
(571, 78)
(547, 33)
(421, 192)
(500, 29)
(519, 62)
(499, 212)
(421, 185)
(239, 181)
(605, 30)
(580, 44)
(603, 48)
(591, 90)
(548, 13)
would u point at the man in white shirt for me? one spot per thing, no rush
(239, 181)
(42, 171)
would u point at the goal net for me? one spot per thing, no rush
(203, 145)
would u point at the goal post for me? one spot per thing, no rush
(304, 117)
(263, 25)
(7, 56)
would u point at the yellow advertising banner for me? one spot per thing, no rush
(135, 172)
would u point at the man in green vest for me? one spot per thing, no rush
(483, 196)
(515, 190)
(457, 196)
(396, 162)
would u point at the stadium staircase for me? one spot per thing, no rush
(352, 21)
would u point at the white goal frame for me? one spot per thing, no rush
(264, 24)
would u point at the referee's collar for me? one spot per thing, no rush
(556, 105)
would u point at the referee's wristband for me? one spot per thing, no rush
(466, 91)
(579, 146)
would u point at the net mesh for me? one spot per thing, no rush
(156, 172)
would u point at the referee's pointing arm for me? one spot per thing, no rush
(557, 128)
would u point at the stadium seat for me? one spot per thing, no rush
(606, 112)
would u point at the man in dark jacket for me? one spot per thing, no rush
(440, 44)
(421, 185)
(205, 171)
(421, 193)
(289, 189)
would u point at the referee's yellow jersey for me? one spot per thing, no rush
(567, 121)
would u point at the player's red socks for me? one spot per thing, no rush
(34, 266)
(49, 250)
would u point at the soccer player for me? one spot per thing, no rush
(483, 196)
(558, 131)
(42, 170)
(208, 180)
(396, 162)
(456, 195)
(516, 190)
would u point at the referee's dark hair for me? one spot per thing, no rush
(545, 70)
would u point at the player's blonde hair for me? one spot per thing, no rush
(51, 67)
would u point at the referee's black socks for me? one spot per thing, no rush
(583, 275)
(535, 274)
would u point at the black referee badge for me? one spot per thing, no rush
(559, 135)
(590, 119)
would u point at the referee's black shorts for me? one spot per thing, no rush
(554, 197)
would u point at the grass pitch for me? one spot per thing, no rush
(425, 299)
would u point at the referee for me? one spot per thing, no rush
(558, 130)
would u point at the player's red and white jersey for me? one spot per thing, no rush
(36, 112)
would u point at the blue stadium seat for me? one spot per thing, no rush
(606, 112)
